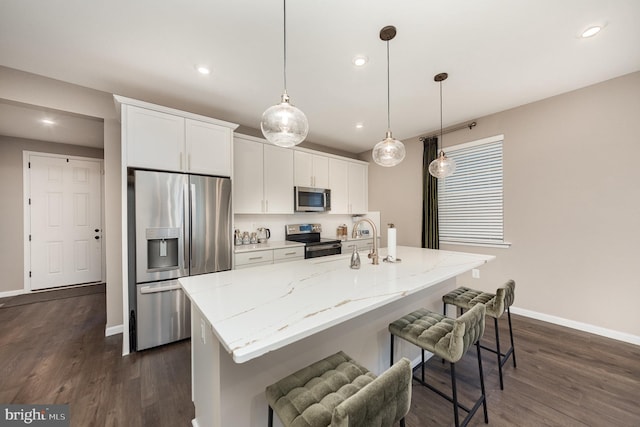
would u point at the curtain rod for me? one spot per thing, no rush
(469, 125)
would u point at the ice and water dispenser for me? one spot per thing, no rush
(163, 248)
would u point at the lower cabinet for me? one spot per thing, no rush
(253, 259)
(268, 256)
(364, 245)
(288, 254)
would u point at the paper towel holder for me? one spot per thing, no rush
(390, 258)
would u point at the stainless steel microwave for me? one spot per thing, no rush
(307, 199)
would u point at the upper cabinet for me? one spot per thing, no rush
(162, 138)
(263, 177)
(358, 188)
(154, 140)
(311, 170)
(348, 182)
(207, 148)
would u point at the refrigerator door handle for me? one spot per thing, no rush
(192, 223)
(154, 290)
(186, 228)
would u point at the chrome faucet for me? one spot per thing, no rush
(374, 252)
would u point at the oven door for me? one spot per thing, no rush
(315, 251)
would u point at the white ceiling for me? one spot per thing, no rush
(25, 121)
(498, 53)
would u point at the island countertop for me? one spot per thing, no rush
(257, 310)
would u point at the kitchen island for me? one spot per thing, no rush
(252, 327)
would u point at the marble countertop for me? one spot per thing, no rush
(258, 310)
(265, 246)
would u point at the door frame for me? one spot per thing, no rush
(26, 180)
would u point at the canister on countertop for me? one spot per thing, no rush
(341, 232)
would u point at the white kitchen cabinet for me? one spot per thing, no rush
(278, 180)
(207, 148)
(248, 176)
(155, 140)
(311, 170)
(171, 142)
(349, 187)
(358, 188)
(288, 254)
(268, 256)
(364, 245)
(339, 185)
(253, 259)
(263, 177)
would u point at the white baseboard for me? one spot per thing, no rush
(113, 330)
(597, 330)
(12, 293)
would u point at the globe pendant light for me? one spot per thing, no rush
(443, 166)
(283, 124)
(388, 152)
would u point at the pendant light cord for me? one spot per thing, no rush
(441, 116)
(388, 92)
(285, 44)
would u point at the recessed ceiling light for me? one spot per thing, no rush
(48, 122)
(203, 70)
(359, 125)
(360, 60)
(591, 31)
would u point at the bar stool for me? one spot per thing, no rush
(449, 339)
(337, 391)
(465, 298)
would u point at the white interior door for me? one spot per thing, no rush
(65, 218)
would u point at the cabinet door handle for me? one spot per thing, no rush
(290, 253)
(181, 160)
(255, 258)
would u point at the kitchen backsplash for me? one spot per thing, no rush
(276, 223)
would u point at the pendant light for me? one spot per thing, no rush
(283, 124)
(443, 166)
(388, 152)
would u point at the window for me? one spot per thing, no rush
(470, 202)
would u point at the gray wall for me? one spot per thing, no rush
(11, 209)
(572, 203)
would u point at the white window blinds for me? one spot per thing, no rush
(470, 202)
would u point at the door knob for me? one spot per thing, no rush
(97, 237)
(97, 230)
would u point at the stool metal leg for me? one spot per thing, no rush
(484, 395)
(270, 416)
(454, 392)
(391, 352)
(422, 365)
(498, 352)
(402, 423)
(513, 348)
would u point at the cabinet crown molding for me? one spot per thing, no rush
(119, 100)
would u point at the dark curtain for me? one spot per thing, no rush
(430, 234)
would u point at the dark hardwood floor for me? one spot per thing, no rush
(55, 352)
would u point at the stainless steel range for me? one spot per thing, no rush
(309, 234)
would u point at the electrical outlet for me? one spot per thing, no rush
(475, 273)
(202, 332)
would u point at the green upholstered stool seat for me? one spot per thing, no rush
(465, 298)
(337, 391)
(446, 338)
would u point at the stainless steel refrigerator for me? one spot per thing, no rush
(182, 228)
